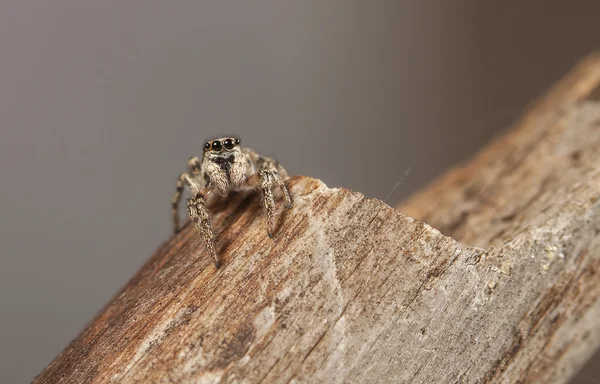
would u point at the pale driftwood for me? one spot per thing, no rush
(354, 291)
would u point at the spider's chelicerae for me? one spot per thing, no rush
(227, 167)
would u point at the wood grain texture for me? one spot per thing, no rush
(351, 290)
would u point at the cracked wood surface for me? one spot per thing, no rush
(351, 290)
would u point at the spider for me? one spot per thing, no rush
(227, 167)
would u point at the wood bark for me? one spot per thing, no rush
(352, 290)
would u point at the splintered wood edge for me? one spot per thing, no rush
(514, 186)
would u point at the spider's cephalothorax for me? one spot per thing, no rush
(227, 167)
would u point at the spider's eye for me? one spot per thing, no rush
(237, 141)
(228, 144)
(216, 146)
(206, 146)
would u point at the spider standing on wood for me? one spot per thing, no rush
(227, 167)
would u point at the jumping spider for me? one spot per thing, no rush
(227, 167)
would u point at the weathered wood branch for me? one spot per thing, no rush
(352, 290)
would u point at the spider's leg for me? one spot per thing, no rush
(268, 200)
(194, 167)
(175, 201)
(284, 189)
(265, 180)
(199, 215)
(270, 167)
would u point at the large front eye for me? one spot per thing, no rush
(216, 146)
(228, 144)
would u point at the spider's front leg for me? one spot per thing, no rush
(266, 179)
(196, 206)
(183, 179)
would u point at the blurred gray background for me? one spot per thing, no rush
(102, 103)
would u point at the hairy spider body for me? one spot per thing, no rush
(227, 167)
